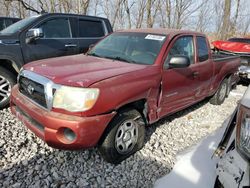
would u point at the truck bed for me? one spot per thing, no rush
(217, 56)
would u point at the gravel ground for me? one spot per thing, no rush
(25, 161)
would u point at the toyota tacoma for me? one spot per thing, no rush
(127, 80)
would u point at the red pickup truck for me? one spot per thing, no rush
(128, 80)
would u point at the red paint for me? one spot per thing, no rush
(165, 90)
(88, 129)
(236, 47)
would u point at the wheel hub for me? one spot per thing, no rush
(126, 136)
(5, 89)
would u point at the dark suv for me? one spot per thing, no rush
(45, 36)
(7, 21)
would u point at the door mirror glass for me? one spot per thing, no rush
(34, 34)
(179, 61)
(183, 46)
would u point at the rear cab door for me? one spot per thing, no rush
(205, 66)
(2, 24)
(58, 39)
(90, 31)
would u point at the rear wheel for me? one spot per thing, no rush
(7, 81)
(229, 85)
(220, 94)
(123, 137)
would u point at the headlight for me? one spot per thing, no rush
(75, 99)
(243, 131)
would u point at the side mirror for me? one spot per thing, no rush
(33, 34)
(179, 61)
(90, 48)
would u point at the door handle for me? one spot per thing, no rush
(196, 74)
(70, 45)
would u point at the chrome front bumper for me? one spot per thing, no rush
(244, 71)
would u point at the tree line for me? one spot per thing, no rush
(225, 18)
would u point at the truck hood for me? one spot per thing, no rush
(80, 70)
(8, 39)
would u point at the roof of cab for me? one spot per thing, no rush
(71, 14)
(162, 31)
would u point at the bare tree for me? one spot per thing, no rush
(25, 5)
(226, 20)
(153, 6)
(141, 6)
(204, 17)
(96, 7)
(117, 7)
(82, 6)
(235, 19)
(229, 16)
(127, 9)
(7, 5)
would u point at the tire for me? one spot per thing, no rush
(112, 147)
(220, 94)
(7, 81)
(229, 86)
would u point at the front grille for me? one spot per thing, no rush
(29, 118)
(32, 90)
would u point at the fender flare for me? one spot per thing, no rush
(14, 63)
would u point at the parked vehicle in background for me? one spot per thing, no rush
(7, 21)
(129, 79)
(238, 47)
(45, 36)
(233, 168)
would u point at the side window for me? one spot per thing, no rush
(56, 28)
(88, 28)
(182, 46)
(202, 49)
(2, 24)
(8, 22)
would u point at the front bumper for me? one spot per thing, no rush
(244, 72)
(49, 125)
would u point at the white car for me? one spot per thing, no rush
(234, 149)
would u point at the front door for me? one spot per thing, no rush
(57, 40)
(179, 85)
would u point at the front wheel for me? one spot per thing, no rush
(220, 94)
(123, 136)
(7, 81)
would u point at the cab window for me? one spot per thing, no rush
(88, 28)
(2, 26)
(202, 49)
(56, 28)
(182, 46)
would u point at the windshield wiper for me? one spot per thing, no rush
(124, 59)
(114, 58)
(94, 54)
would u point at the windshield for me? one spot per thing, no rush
(140, 48)
(18, 25)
